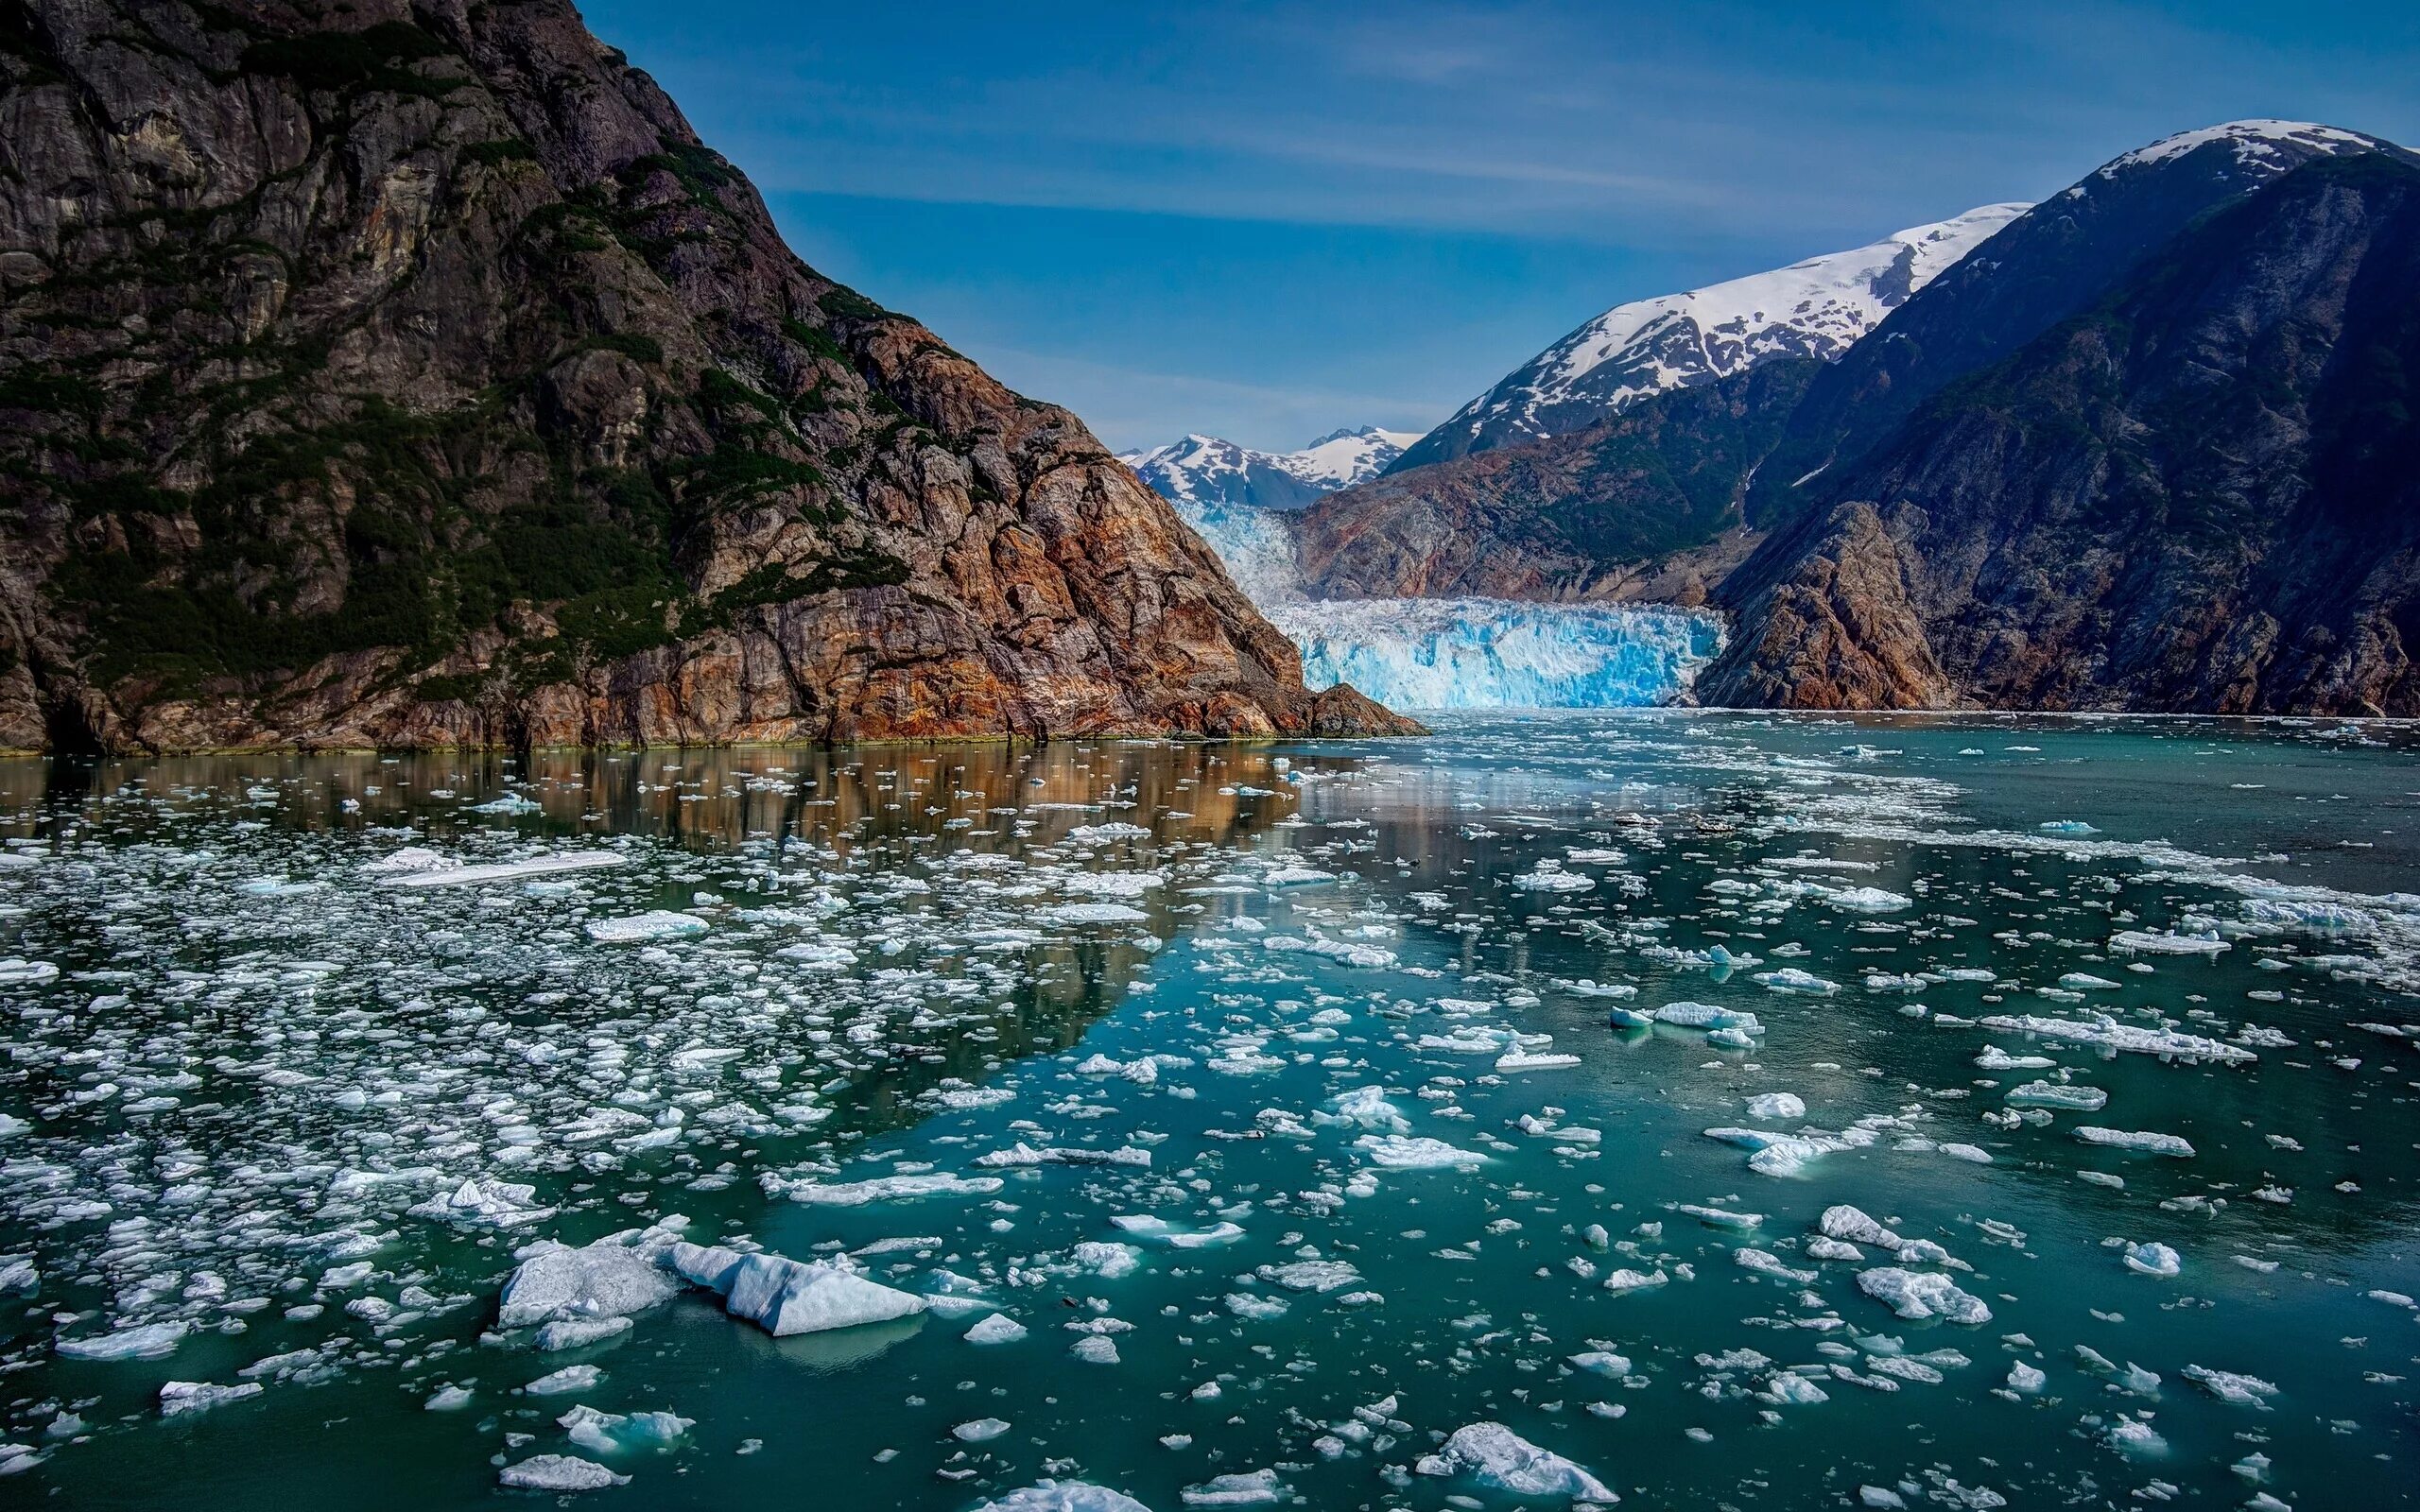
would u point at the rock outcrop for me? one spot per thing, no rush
(2201, 494)
(407, 373)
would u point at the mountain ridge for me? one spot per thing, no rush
(412, 375)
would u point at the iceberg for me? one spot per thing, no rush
(1064, 1496)
(1480, 653)
(786, 1296)
(1496, 1457)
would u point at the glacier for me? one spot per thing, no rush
(1487, 653)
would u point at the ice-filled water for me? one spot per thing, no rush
(1486, 653)
(1686, 1108)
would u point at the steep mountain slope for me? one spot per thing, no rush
(1816, 308)
(406, 372)
(2201, 494)
(2055, 261)
(1203, 471)
(1638, 506)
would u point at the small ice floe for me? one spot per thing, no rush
(1063, 1496)
(997, 1328)
(2240, 1391)
(559, 1473)
(786, 1296)
(1868, 900)
(1918, 1294)
(16, 970)
(2075, 829)
(660, 924)
(1097, 913)
(2172, 1146)
(447, 1399)
(1601, 1363)
(1399, 1152)
(2149, 942)
(877, 1189)
(1022, 1155)
(1534, 1061)
(1144, 1226)
(177, 1398)
(979, 1431)
(606, 1433)
(563, 1383)
(1247, 1488)
(506, 803)
(2063, 1096)
(2105, 1031)
(1765, 1263)
(2025, 1378)
(143, 1341)
(415, 867)
(1707, 1015)
(1494, 1456)
(2152, 1259)
(1310, 1275)
(1790, 979)
(1365, 1108)
(1994, 1058)
(1550, 877)
(577, 1297)
(1777, 1105)
(482, 1203)
(1777, 1154)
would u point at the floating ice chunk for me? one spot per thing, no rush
(447, 1399)
(16, 970)
(443, 873)
(1253, 1489)
(1098, 913)
(1526, 1061)
(2086, 982)
(1917, 1295)
(1707, 1015)
(997, 1328)
(481, 1203)
(786, 1296)
(2132, 1436)
(1146, 1226)
(1790, 979)
(1550, 877)
(1022, 1154)
(1868, 900)
(708, 1265)
(980, 1430)
(2148, 942)
(1294, 876)
(1107, 1260)
(1310, 1275)
(1765, 1263)
(613, 1278)
(2152, 1259)
(179, 1397)
(1365, 1108)
(605, 1433)
(2104, 1030)
(2059, 1094)
(1777, 1105)
(879, 1188)
(1722, 1217)
(1603, 1363)
(2074, 828)
(2025, 1378)
(1063, 1496)
(1401, 1152)
(1494, 1456)
(143, 1341)
(1851, 1225)
(1097, 1349)
(2242, 1391)
(559, 1473)
(569, 1379)
(2150, 1144)
(1631, 1281)
(661, 924)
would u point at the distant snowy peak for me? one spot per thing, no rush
(2263, 147)
(1202, 470)
(1816, 308)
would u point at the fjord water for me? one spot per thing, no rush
(262, 1048)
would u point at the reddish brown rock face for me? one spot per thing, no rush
(414, 377)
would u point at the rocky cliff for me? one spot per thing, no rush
(2201, 494)
(406, 372)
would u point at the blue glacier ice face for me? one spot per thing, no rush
(1254, 544)
(1486, 653)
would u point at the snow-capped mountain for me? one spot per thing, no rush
(1816, 308)
(1203, 470)
(2261, 146)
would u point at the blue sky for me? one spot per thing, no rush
(1269, 220)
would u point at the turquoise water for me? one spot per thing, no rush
(258, 1056)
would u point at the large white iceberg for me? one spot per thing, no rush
(1496, 1457)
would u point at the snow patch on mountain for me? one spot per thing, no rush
(1484, 653)
(1204, 470)
(1816, 308)
(2258, 144)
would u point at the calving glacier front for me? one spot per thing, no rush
(1484, 653)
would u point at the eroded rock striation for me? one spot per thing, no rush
(408, 373)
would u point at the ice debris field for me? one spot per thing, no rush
(1578, 1109)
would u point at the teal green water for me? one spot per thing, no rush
(256, 1056)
